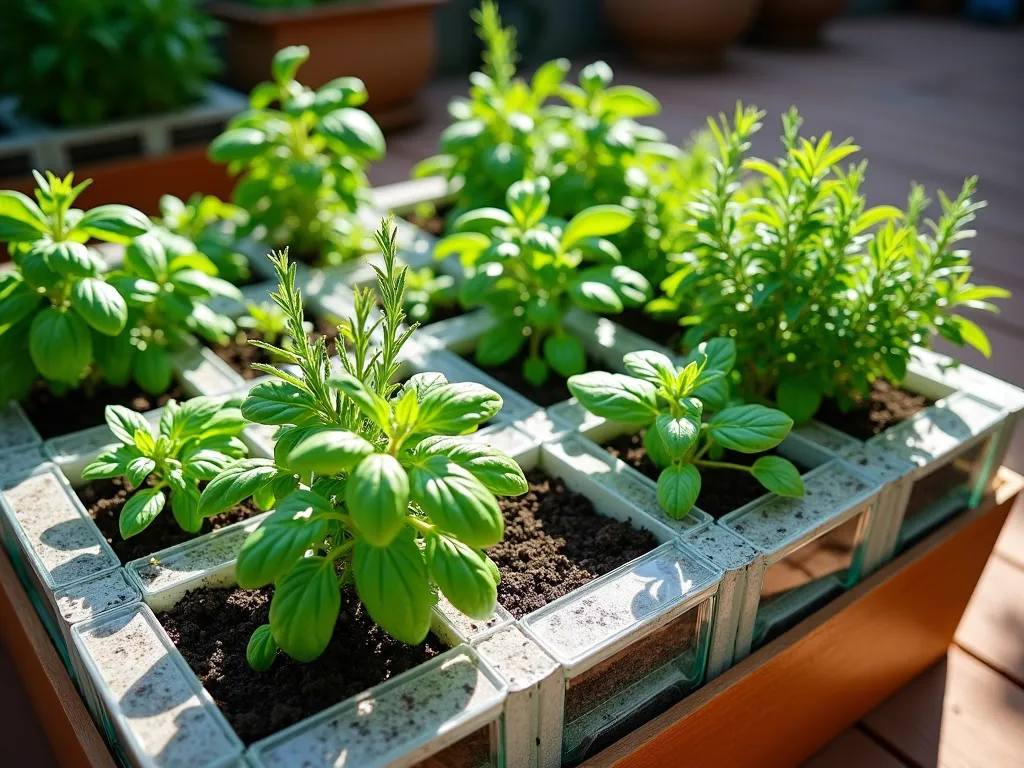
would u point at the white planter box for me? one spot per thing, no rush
(21, 447)
(53, 148)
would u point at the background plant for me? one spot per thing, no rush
(674, 403)
(528, 269)
(214, 227)
(822, 294)
(381, 489)
(167, 286)
(302, 155)
(426, 292)
(194, 442)
(56, 306)
(76, 62)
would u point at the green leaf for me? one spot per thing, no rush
(124, 423)
(720, 353)
(146, 258)
(140, 510)
(239, 144)
(528, 201)
(630, 101)
(481, 220)
(972, 334)
(69, 259)
(565, 354)
(138, 469)
(500, 344)
(457, 502)
(778, 475)
(798, 397)
(356, 130)
(116, 223)
(616, 397)
(279, 402)
(235, 484)
(37, 272)
(393, 584)
(377, 498)
(462, 575)
(498, 473)
(678, 488)
(535, 371)
(60, 345)
(305, 608)
(629, 285)
(370, 404)
(678, 434)
(454, 408)
(596, 221)
(286, 62)
(466, 245)
(327, 452)
(152, 369)
(656, 450)
(109, 464)
(100, 305)
(749, 428)
(19, 213)
(595, 296)
(185, 502)
(298, 524)
(654, 367)
(262, 649)
(18, 304)
(424, 383)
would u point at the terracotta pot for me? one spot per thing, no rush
(389, 44)
(679, 33)
(794, 22)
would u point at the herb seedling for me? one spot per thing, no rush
(167, 286)
(303, 156)
(675, 404)
(269, 323)
(214, 227)
(426, 292)
(822, 294)
(56, 307)
(371, 489)
(195, 441)
(528, 269)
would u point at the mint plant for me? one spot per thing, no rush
(167, 287)
(427, 292)
(214, 226)
(689, 420)
(56, 306)
(528, 269)
(370, 486)
(195, 441)
(302, 155)
(822, 293)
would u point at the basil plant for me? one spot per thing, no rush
(57, 308)
(372, 485)
(302, 155)
(194, 442)
(529, 269)
(214, 226)
(689, 420)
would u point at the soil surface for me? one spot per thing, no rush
(104, 499)
(555, 541)
(666, 333)
(552, 391)
(54, 416)
(211, 628)
(721, 490)
(240, 354)
(887, 406)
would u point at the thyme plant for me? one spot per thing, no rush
(372, 485)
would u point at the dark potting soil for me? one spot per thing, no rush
(887, 406)
(240, 354)
(211, 628)
(104, 499)
(554, 390)
(666, 333)
(721, 490)
(53, 416)
(555, 541)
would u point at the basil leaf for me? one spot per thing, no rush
(616, 397)
(145, 258)
(138, 470)
(277, 403)
(261, 649)
(596, 221)
(720, 353)
(19, 208)
(356, 130)
(238, 144)
(565, 354)
(500, 344)
(69, 259)
(778, 475)
(392, 583)
(678, 488)
(656, 450)
(749, 428)
(116, 223)
(630, 101)
(457, 502)
(305, 608)
(185, 502)
(18, 304)
(377, 498)
(595, 296)
(454, 408)
(424, 383)
(462, 576)
(327, 452)
(482, 220)
(528, 201)
(297, 525)
(798, 397)
(139, 511)
(369, 403)
(124, 423)
(235, 484)
(60, 345)
(498, 473)
(152, 369)
(651, 366)
(678, 434)
(110, 464)
(100, 305)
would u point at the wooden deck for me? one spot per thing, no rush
(930, 101)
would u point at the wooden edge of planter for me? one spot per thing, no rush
(69, 728)
(801, 690)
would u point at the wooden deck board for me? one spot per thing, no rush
(993, 626)
(854, 749)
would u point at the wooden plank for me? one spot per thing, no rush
(73, 737)
(992, 628)
(1011, 540)
(791, 697)
(958, 714)
(852, 749)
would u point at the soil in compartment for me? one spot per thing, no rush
(554, 390)
(555, 541)
(240, 354)
(211, 628)
(667, 333)
(721, 490)
(104, 499)
(54, 416)
(885, 407)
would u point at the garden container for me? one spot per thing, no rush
(794, 22)
(344, 39)
(20, 444)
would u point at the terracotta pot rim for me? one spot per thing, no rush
(233, 10)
